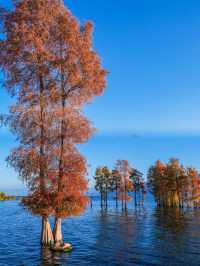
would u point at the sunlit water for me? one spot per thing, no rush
(143, 236)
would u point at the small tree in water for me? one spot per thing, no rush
(124, 170)
(116, 185)
(173, 185)
(138, 185)
(103, 184)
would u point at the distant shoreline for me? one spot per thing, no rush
(4, 197)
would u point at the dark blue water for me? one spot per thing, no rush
(143, 236)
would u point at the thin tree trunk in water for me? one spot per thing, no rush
(122, 200)
(139, 194)
(57, 232)
(125, 196)
(47, 238)
(106, 197)
(91, 204)
(42, 141)
(46, 234)
(135, 197)
(178, 192)
(116, 195)
(101, 199)
(57, 227)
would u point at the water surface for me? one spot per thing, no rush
(143, 236)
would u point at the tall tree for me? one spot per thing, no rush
(99, 183)
(24, 59)
(79, 77)
(157, 182)
(103, 183)
(124, 170)
(51, 68)
(116, 184)
(138, 183)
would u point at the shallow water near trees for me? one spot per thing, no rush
(143, 236)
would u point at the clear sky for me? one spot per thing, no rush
(150, 109)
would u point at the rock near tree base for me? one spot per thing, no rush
(62, 248)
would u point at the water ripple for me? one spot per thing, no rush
(145, 236)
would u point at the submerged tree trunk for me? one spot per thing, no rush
(57, 232)
(101, 199)
(47, 238)
(116, 196)
(106, 196)
(46, 234)
(178, 192)
(122, 195)
(104, 199)
(139, 195)
(135, 197)
(125, 203)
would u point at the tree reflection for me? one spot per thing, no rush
(173, 220)
(117, 236)
(49, 258)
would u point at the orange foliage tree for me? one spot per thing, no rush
(79, 77)
(138, 185)
(51, 67)
(24, 59)
(174, 185)
(124, 170)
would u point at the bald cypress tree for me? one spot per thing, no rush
(79, 77)
(51, 69)
(25, 60)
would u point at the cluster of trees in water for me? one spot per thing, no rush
(3, 197)
(52, 71)
(123, 180)
(174, 185)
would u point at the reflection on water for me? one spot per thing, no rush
(142, 236)
(49, 258)
(172, 219)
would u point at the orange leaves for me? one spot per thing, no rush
(76, 128)
(173, 184)
(124, 170)
(52, 69)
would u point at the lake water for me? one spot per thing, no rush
(143, 236)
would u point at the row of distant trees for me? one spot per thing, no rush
(3, 197)
(174, 185)
(122, 180)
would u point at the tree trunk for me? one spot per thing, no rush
(42, 138)
(91, 203)
(116, 195)
(101, 199)
(135, 197)
(122, 200)
(47, 238)
(139, 195)
(125, 188)
(178, 192)
(104, 199)
(106, 196)
(57, 232)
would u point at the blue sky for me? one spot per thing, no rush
(152, 51)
